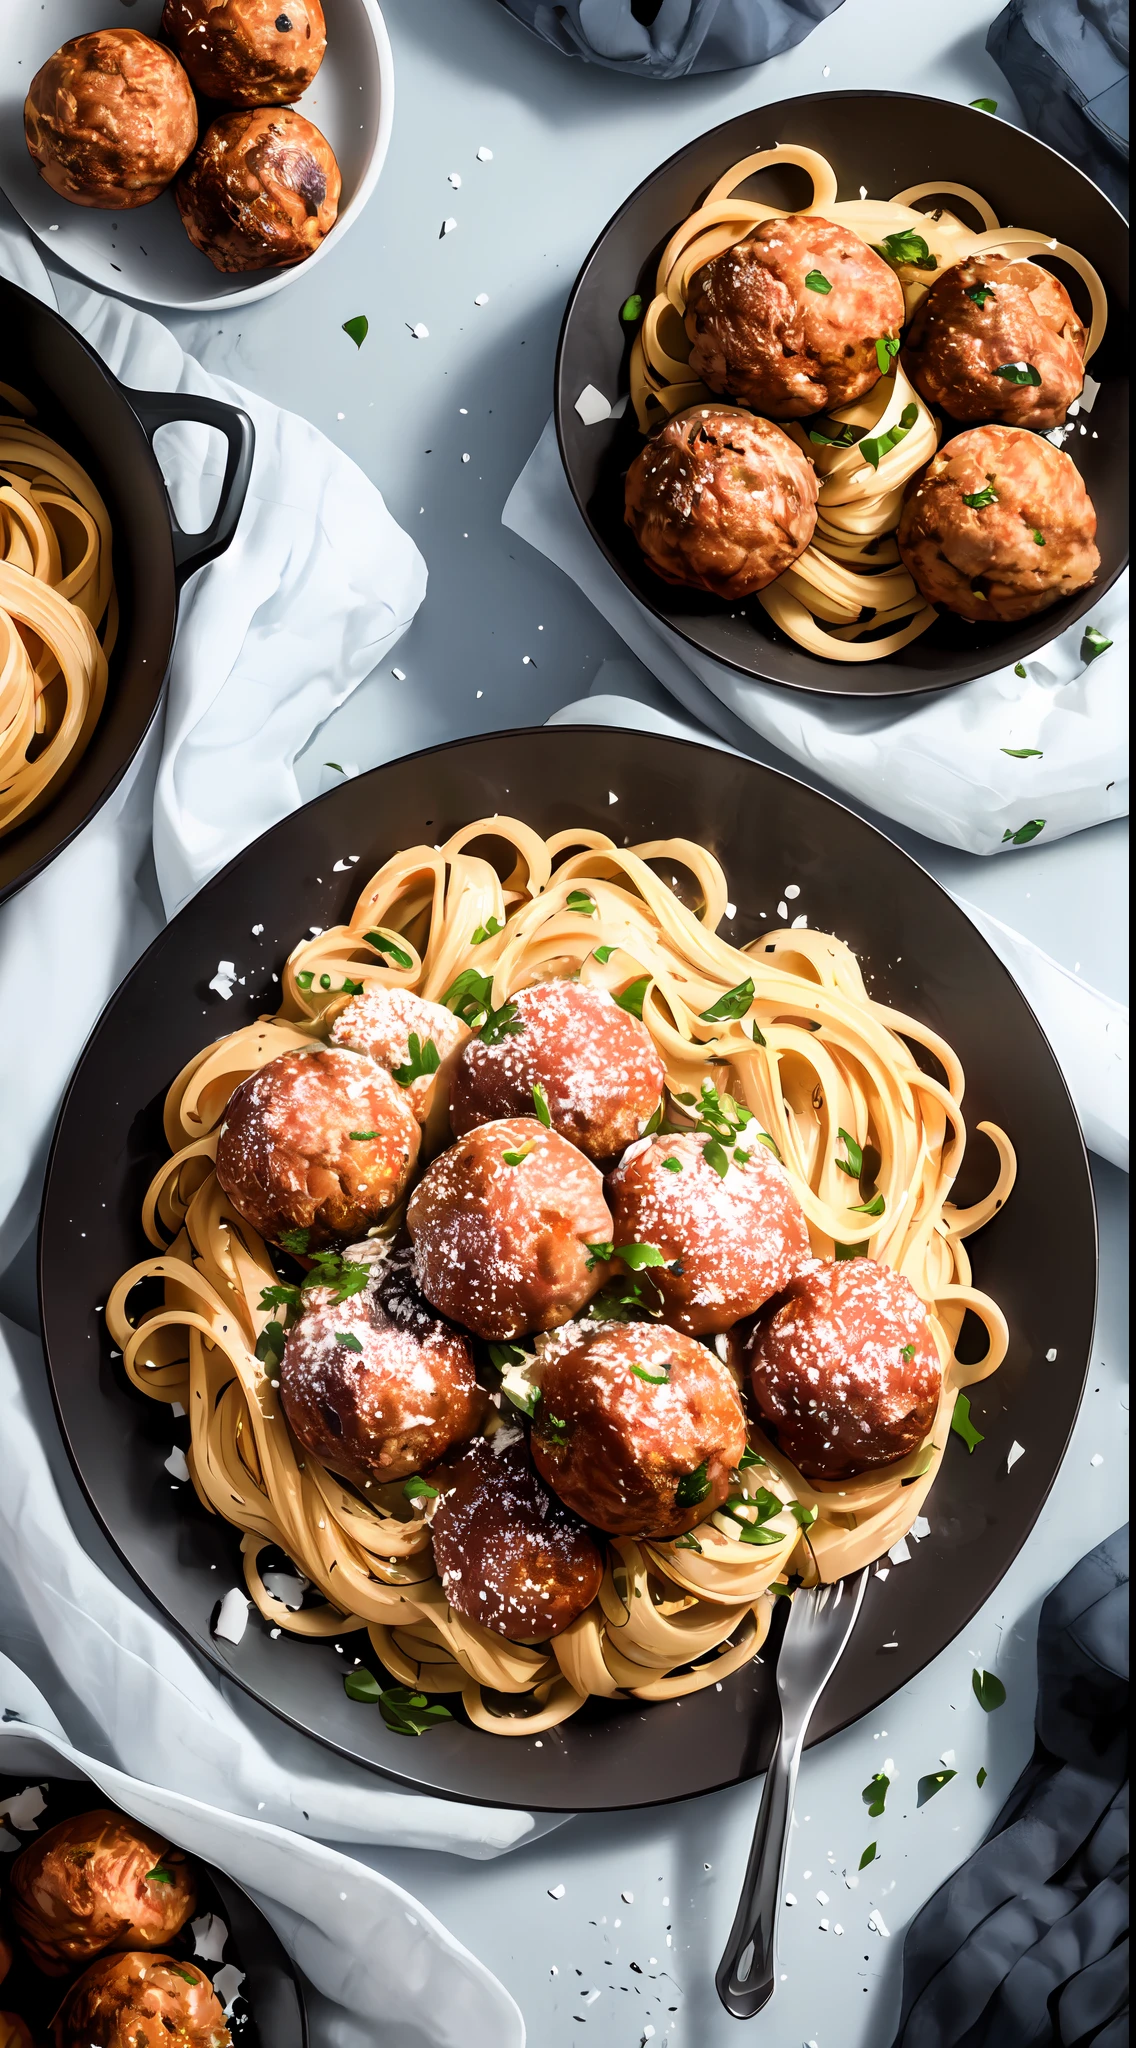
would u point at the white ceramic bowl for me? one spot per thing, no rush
(145, 253)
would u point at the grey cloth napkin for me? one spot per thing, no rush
(672, 38)
(1067, 61)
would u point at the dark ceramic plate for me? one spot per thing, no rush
(886, 141)
(1038, 1258)
(269, 2012)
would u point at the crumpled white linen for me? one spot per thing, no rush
(933, 763)
(1087, 1029)
(335, 1917)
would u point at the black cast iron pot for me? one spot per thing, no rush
(110, 430)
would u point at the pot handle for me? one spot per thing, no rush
(166, 408)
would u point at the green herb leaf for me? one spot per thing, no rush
(854, 1164)
(410, 1713)
(362, 1685)
(632, 996)
(636, 1256)
(187, 1976)
(519, 1155)
(305, 979)
(382, 944)
(469, 997)
(978, 499)
(908, 1352)
(877, 445)
(730, 1007)
(281, 1295)
(985, 106)
(887, 348)
(845, 438)
(631, 308)
(577, 900)
(423, 1060)
(748, 1458)
(653, 1379)
(816, 281)
(1023, 753)
(988, 1691)
(715, 1155)
(488, 930)
(348, 1340)
(540, 1104)
(923, 1463)
(687, 1541)
(873, 1208)
(159, 1875)
(1039, 537)
(599, 1254)
(1019, 670)
(1024, 833)
(502, 1023)
(800, 1513)
(654, 1121)
(351, 988)
(1093, 642)
(416, 1488)
(756, 1532)
(850, 1251)
(693, 1487)
(270, 1344)
(932, 1783)
(502, 1355)
(906, 247)
(781, 1589)
(672, 1164)
(356, 331)
(337, 765)
(360, 1137)
(555, 1429)
(980, 293)
(869, 1856)
(963, 1426)
(983, 1774)
(344, 1277)
(1018, 373)
(875, 1793)
(295, 1241)
(603, 954)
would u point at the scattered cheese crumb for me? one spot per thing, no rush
(484, 156)
(256, 930)
(611, 797)
(209, 1937)
(899, 1552)
(790, 1899)
(557, 1891)
(448, 225)
(232, 1621)
(947, 1759)
(176, 1465)
(876, 1923)
(420, 331)
(227, 1983)
(592, 406)
(1096, 1459)
(482, 299)
(24, 1808)
(1050, 1356)
(1015, 1452)
(920, 1527)
(454, 179)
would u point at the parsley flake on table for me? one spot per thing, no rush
(932, 1783)
(1023, 753)
(875, 1793)
(869, 1856)
(963, 1426)
(983, 1774)
(631, 308)
(356, 330)
(988, 1691)
(1024, 833)
(1093, 642)
(985, 106)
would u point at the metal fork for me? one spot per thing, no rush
(819, 1625)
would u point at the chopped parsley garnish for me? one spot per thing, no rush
(585, 905)
(540, 1104)
(730, 1007)
(869, 1856)
(908, 1352)
(906, 247)
(397, 954)
(688, 1541)
(631, 308)
(351, 988)
(932, 1783)
(878, 444)
(1039, 537)
(519, 1154)
(295, 1241)
(654, 1121)
(771, 1145)
(850, 1251)
(423, 1060)
(417, 1488)
(781, 1589)
(1024, 833)
(469, 997)
(1093, 642)
(854, 1164)
(305, 979)
(637, 1256)
(800, 1513)
(1023, 753)
(281, 1295)
(631, 998)
(875, 1207)
(1020, 670)
(749, 1457)
(977, 500)
(347, 1340)
(159, 1875)
(980, 293)
(982, 1776)
(963, 1426)
(603, 954)
(985, 106)
(405, 1712)
(756, 1532)
(344, 1276)
(598, 1254)
(672, 1165)
(488, 930)
(187, 1976)
(875, 1793)
(693, 1487)
(988, 1691)
(361, 1137)
(722, 1121)
(554, 1428)
(759, 1037)
(1018, 373)
(356, 330)
(845, 438)
(887, 348)
(653, 1379)
(816, 281)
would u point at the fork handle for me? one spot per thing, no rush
(745, 1977)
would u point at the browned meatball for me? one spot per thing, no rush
(15, 2032)
(253, 53)
(597, 1066)
(380, 1023)
(110, 119)
(727, 1242)
(721, 501)
(844, 1371)
(322, 1141)
(501, 1225)
(998, 526)
(637, 1427)
(262, 188)
(98, 1881)
(509, 1554)
(787, 321)
(997, 339)
(142, 2001)
(377, 1386)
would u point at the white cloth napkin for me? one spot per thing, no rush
(933, 763)
(336, 1918)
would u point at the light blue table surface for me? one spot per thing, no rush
(626, 1953)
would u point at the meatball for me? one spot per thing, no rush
(110, 119)
(98, 1881)
(262, 188)
(788, 320)
(322, 1141)
(142, 2001)
(15, 2032)
(637, 1428)
(721, 501)
(501, 1225)
(601, 1076)
(998, 526)
(997, 339)
(253, 53)
(844, 1370)
(728, 1241)
(380, 1022)
(510, 1556)
(377, 1386)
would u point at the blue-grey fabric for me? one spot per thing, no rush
(672, 38)
(1067, 61)
(1027, 1945)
